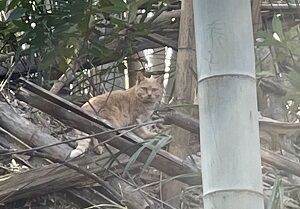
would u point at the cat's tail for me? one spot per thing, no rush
(82, 146)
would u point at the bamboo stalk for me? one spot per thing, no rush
(230, 149)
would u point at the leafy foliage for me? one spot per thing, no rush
(154, 145)
(286, 44)
(276, 200)
(54, 32)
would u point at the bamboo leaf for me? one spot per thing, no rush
(264, 74)
(12, 4)
(161, 143)
(113, 9)
(119, 2)
(277, 27)
(268, 40)
(274, 200)
(16, 14)
(20, 24)
(116, 6)
(134, 158)
(119, 22)
(2, 4)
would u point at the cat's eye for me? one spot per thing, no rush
(154, 89)
(144, 88)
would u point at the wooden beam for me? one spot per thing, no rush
(256, 15)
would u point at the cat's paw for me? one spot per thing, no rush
(149, 135)
(99, 150)
(75, 153)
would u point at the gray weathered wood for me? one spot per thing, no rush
(36, 179)
(48, 179)
(29, 133)
(184, 93)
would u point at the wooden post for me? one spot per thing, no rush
(184, 93)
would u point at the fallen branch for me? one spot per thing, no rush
(278, 6)
(50, 178)
(77, 118)
(30, 133)
(265, 124)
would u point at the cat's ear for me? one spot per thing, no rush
(139, 77)
(160, 79)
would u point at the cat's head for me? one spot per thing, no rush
(149, 90)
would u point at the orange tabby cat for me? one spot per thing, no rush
(125, 107)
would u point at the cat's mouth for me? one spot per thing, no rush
(148, 100)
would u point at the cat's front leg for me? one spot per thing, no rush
(143, 131)
(82, 146)
(99, 149)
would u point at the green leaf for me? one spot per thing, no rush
(118, 22)
(12, 4)
(72, 29)
(133, 8)
(2, 25)
(264, 74)
(292, 33)
(116, 9)
(119, 2)
(277, 27)
(16, 14)
(268, 40)
(134, 158)
(161, 143)
(20, 24)
(2, 4)
(275, 197)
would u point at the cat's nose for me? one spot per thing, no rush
(149, 95)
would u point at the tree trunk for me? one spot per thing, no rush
(184, 93)
(256, 15)
(157, 59)
(170, 78)
(230, 149)
(134, 65)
